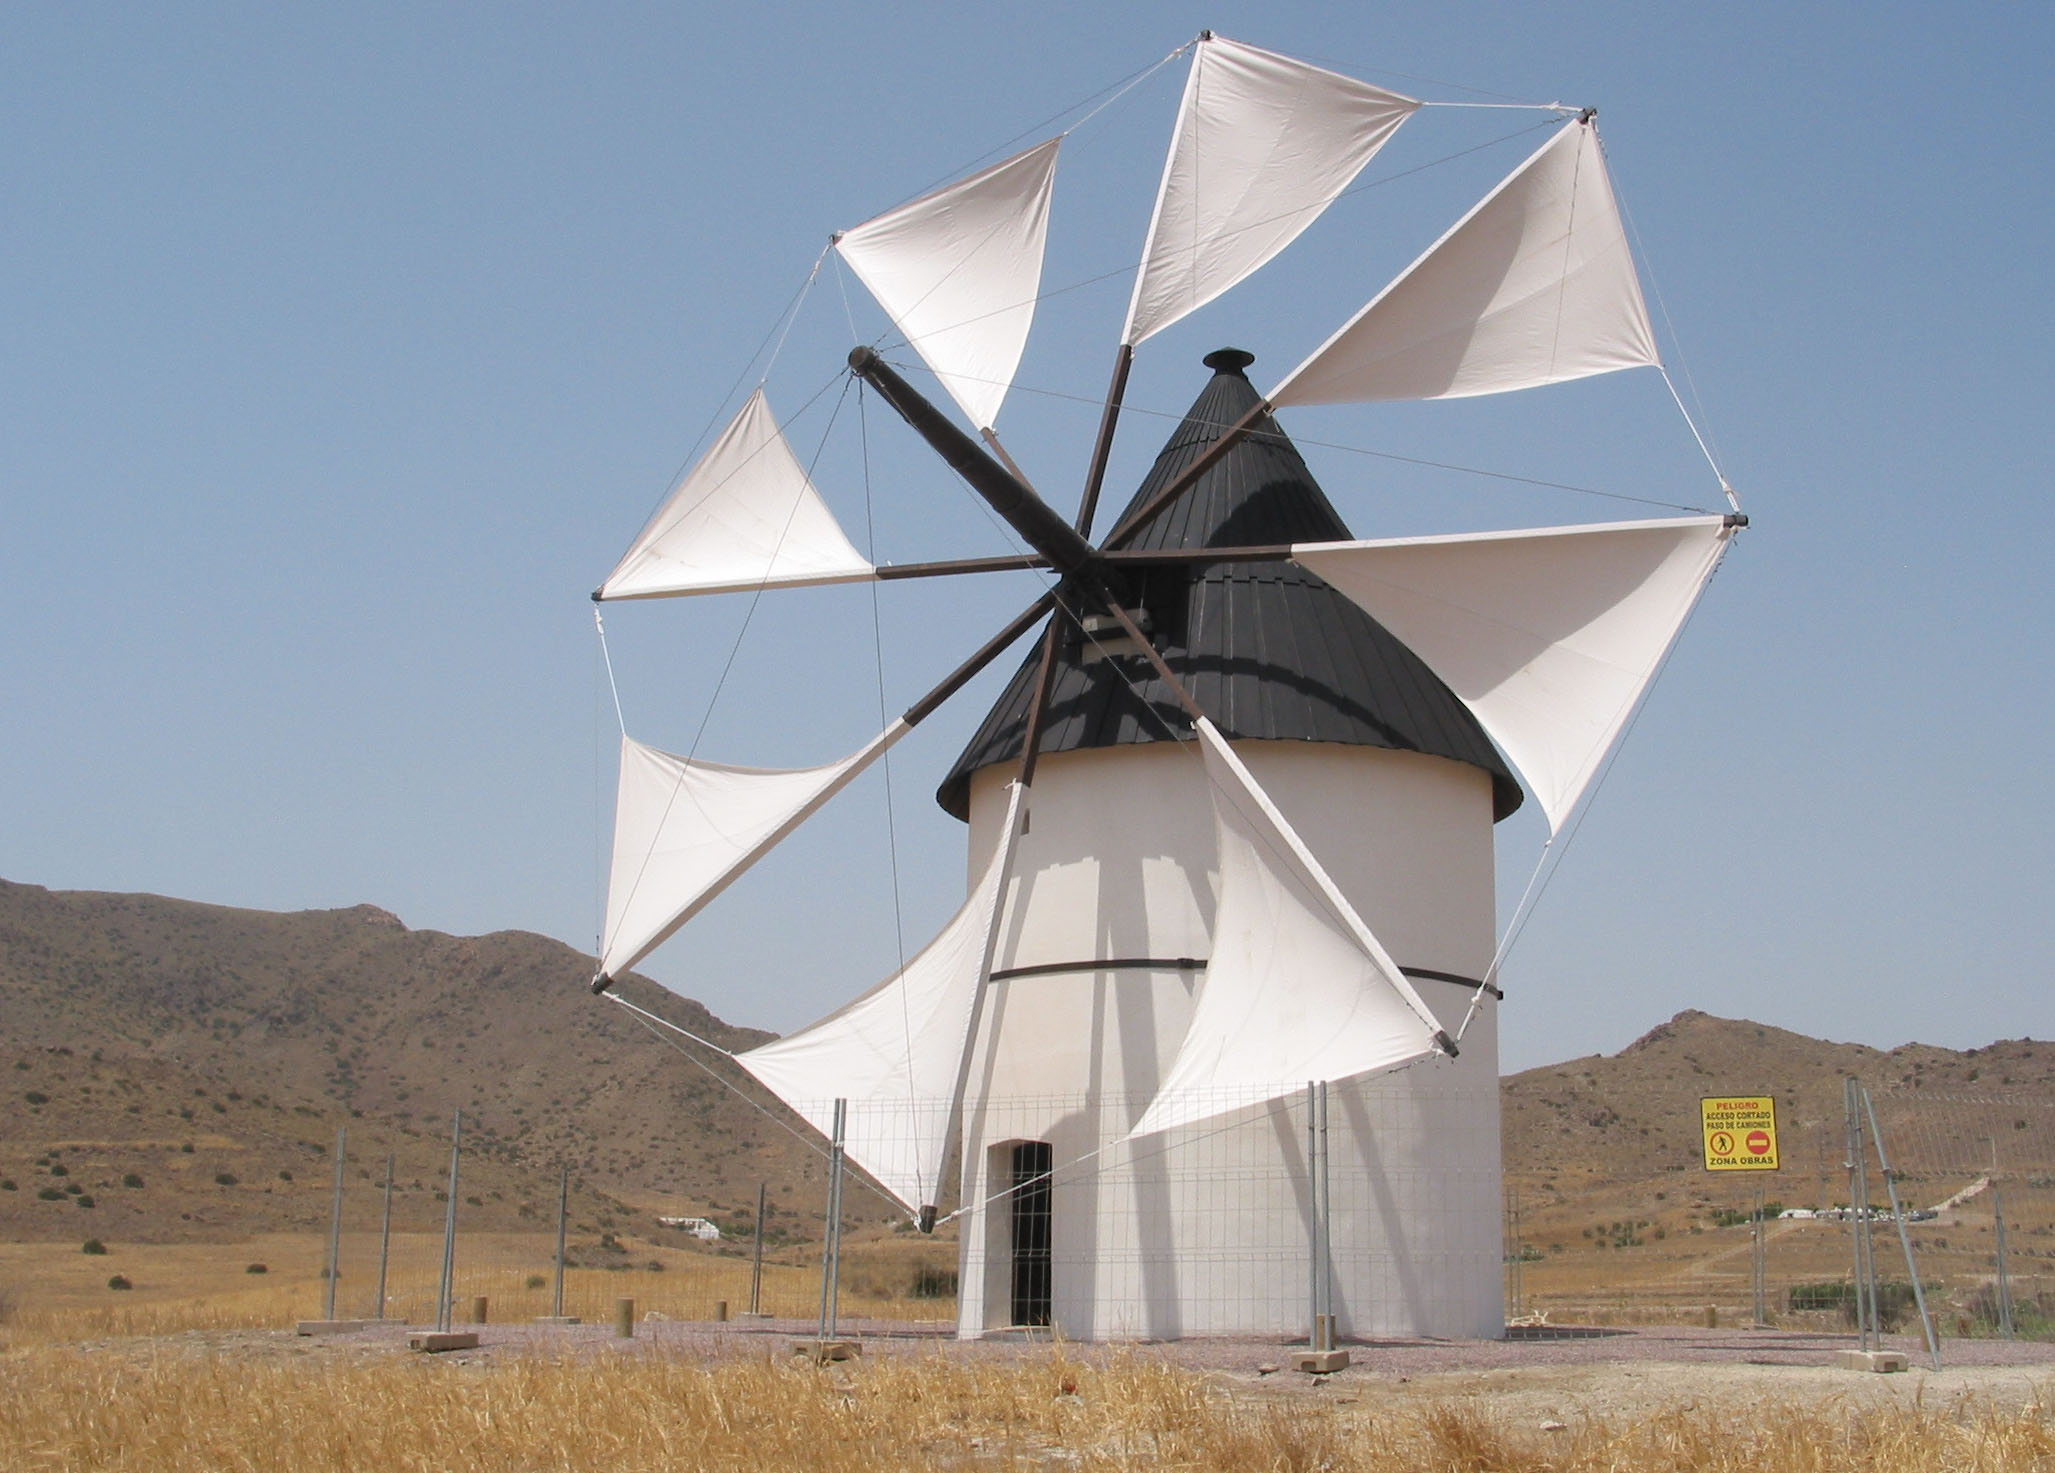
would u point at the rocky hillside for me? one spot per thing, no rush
(185, 1067)
(176, 1043)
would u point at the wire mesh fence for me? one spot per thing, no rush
(1051, 1217)
(1975, 1174)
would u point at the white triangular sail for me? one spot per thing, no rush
(896, 1053)
(1263, 145)
(684, 830)
(1298, 988)
(745, 516)
(1549, 636)
(958, 272)
(1534, 286)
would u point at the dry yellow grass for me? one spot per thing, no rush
(143, 1413)
(55, 1292)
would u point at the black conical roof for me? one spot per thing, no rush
(1268, 650)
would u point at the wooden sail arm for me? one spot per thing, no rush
(992, 648)
(1033, 518)
(1102, 448)
(1184, 480)
(1137, 557)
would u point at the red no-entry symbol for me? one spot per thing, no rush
(1758, 1143)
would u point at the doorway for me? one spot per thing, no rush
(1031, 1204)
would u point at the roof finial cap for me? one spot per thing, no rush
(1228, 360)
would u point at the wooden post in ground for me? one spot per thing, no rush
(624, 1319)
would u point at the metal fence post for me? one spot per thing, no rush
(342, 1136)
(1760, 1254)
(449, 1230)
(756, 1266)
(1919, 1294)
(831, 1240)
(385, 1236)
(1325, 1263)
(563, 1208)
(2004, 1284)
(1858, 1217)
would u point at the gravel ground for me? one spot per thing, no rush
(1569, 1376)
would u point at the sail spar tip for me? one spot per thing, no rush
(600, 983)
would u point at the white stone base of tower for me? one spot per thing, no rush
(1207, 1229)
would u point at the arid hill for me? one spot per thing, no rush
(134, 1026)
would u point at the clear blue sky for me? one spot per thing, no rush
(345, 348)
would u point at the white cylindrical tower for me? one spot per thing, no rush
(1206, 1228)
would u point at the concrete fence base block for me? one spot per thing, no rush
(435, 1341)
(558, 1319)
(820, 1352)
(1870, 1360)
(332, 1327)
(1319, 1362)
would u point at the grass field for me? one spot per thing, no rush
(58, 1291)
(140, 1412)
(93, 1378)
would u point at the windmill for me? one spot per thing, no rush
(1231, 820)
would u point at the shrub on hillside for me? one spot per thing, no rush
(93, 1247)
(255, 1268)
(131, 1180)
(224, 1178)
(119, 1281)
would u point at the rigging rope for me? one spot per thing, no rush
(599, 862)
(884, 716)
(1118, 90)
(648, 1019)
(1670, 330)
(1364, 450)
(607, 656)
(787, 317)
(1552, 855)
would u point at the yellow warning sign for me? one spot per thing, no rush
(1740, 1132)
